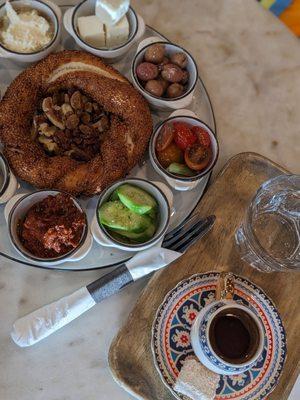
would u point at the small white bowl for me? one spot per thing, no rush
(176, 182)
(164, 198)
(53, 13)
(9, 182)
(16, 209)
(86, 8)
(161, 102)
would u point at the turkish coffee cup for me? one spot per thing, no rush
(227, 336)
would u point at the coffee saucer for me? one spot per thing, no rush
(171, 336)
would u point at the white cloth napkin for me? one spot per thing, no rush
(36, 326)
(150, 260)
(41, 323)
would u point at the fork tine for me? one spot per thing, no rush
(184, 226)
(185, 230)
(198, 231)
(186, 242)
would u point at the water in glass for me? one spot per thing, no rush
(269, 238)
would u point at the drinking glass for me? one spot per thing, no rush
(269, 237)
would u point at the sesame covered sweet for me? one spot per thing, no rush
(121, 145)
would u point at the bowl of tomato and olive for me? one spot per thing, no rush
(183, 149)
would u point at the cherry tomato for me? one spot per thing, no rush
(165, 137)
(183, 136)
(203, 136)
(197, 157)
(172, 154)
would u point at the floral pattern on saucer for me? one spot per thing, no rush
(171, 336)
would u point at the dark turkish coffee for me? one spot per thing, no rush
(234, 335)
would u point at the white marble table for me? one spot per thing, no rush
(250, 64)
(71, 364)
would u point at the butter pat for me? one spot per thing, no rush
(111, 11)
(91, 30)
(117, 34)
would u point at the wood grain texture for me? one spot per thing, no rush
(130, 356)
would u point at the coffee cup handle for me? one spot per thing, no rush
(141, 27)
(10, 190)
(67, 20)
(169, 195)
(166, 191)
(5, 54)
(183, 112)
(98, 235)
(149, 40)
(11, 202)
(225, 286)
(183, 102)
(83, 250)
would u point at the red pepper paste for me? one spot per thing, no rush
(52, 227)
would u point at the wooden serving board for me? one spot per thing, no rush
(130, 355)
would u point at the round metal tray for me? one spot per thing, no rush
(184, 202)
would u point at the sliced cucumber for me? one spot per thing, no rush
(153, 214)
(136, 199)
(114, 196)
(115, 215)
(180, 169)
(138, 237)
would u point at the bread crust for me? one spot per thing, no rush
(123, 145)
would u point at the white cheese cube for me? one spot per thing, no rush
(111, 11)
(91, 30)
(117, 34)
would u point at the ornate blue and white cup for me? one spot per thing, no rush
(227, 337)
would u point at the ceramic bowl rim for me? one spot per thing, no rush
(53, 259)
(163, 170)
(163, 99)
(103, 49)
(155, 238)
(7, 171)
(49, 44)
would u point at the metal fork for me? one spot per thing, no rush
(187, 233)
(41, 323)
